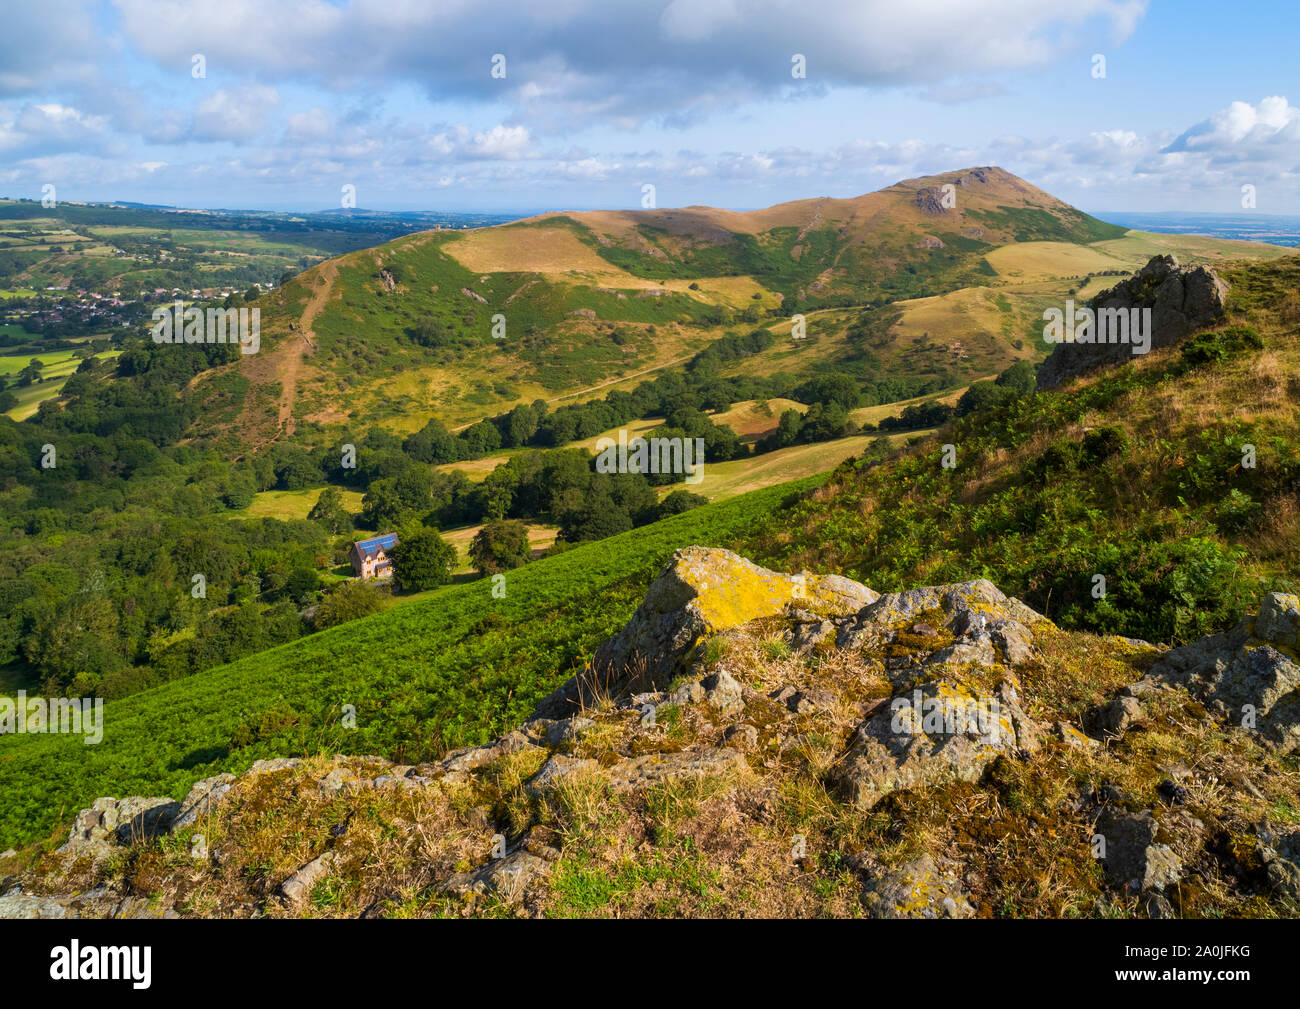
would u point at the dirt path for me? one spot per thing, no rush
(289, 367)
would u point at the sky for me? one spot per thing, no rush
(1124, 105)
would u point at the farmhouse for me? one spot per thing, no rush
(370, 558)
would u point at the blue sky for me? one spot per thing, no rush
(397, 99)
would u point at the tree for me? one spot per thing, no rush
(31, 373)
(302, 585)
(481, 438)
(394, 500)
(329, 513)
(434, 444)
(593, 518)
(348, 601)
(500, 546)
(679, 501)
(1021, 378)
(422, 560)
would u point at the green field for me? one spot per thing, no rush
(59, 365)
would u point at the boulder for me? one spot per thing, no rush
(1181, 299)
(976, 623)
(1250, 675)
(1120, 715)
(112, 821)
(202, 797)
(1133, 859)
(700, 592)
(937, 733)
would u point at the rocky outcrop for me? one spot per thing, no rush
(776, 695)
(939, 728)
(700, 592)
(1249, 676)
(1181, 300)
(109, 822)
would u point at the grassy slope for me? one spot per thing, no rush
(1182, 555)
(455, 668)
(1184, 535)
(634, 271)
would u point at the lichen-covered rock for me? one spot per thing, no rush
(200, 799)
(1133, 859)
(1181, 299)
(99, 902)
(1278, 620)
(507, 879)
(940, 732)
(111, 821)
(919, 889)
(973, 622)
(700, 592)
(1072, 737)
(1249, 675)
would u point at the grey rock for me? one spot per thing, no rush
(1133, 859)
(567, 729)
(723, 692)
(743, 736)
(297, 888)
(1278, 621)
(112, 821)
(919, 889)
(1181, 300)
(273, 764)
(20, 905)
(1120, 715)
(1253, 681)
(653, 768)
(687, 693)
(476, 756)
(557, 769)
(986, 625)
(202, 797)
(934, 734)
(507, 879)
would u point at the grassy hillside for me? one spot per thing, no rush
(1135, 475)
(455, 668)
(597, 300)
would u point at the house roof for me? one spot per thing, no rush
(376, 543)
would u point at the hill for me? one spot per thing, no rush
(464, 324)
(1138, 474)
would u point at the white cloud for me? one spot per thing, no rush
(238, 114)
(622, 63)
